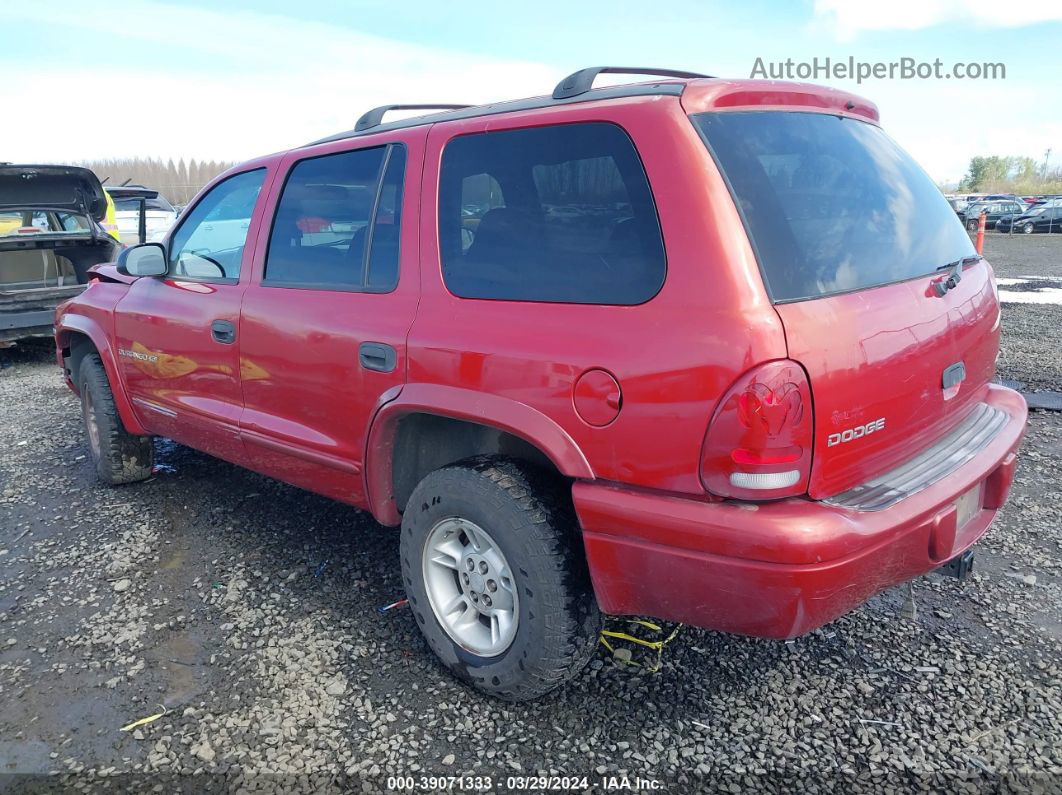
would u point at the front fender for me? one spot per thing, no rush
(68, 323)
(508, 415)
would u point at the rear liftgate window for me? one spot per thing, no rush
(557, 214)
(832, 204)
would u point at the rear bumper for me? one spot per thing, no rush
(782, 569)
(32, 313)
(19, 325)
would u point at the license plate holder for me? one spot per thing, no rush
(967, 507)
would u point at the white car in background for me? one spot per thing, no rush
(158, 218)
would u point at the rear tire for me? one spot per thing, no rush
(522, 519)
(119, 456)
(971, 225)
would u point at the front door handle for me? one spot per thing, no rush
(377, 356)
(223, 331)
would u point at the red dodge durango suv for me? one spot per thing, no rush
(714, 351)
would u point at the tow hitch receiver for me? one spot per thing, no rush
(959, 567)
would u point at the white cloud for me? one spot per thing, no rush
(250, 84)
(943, 129)
(847, 18)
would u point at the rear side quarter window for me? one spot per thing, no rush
(554, 214)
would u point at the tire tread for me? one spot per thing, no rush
(572, 621)
(124, 458)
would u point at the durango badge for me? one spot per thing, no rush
(857, 432)
(144, 357)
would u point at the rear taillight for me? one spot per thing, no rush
(758, 445)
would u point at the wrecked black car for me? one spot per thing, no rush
(50, 236)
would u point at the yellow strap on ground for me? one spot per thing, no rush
(656, 645)
(649, 624)
(649, 644)
(144, 721)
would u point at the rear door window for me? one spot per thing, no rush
(831, 204)
(337, 222)
(558, 214)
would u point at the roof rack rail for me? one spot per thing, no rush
(374, 117)
(582, 81)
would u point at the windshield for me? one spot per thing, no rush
(831, 204)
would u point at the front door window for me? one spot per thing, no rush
(209, 243)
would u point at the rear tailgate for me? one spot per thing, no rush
(876, 360)
(852, 238)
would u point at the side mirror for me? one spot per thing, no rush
(147, 259)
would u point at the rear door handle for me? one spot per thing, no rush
(377, 356)
(223, 331)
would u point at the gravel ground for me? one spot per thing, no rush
(246, 610)
(1024, 255)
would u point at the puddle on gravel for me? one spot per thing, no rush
(1049, 624)
(176, 560)
(74, 718)
(25, 756)
(181, 662)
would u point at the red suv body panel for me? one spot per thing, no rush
(784, 568)
(879, 355)
(290, 400)
(308, 405)
(672, 355)
(182, 383)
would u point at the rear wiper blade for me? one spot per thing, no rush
(955, 276)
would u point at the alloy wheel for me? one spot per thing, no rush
(470, 587)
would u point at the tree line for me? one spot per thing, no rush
(180, 180)
(1020, 175)
(177, 181)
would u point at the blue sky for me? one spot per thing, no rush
(206, 80)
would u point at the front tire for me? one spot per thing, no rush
(119, 456)
(1027, 229)
(496, 577)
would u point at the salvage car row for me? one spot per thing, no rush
(1011, 213)
(56, 223)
